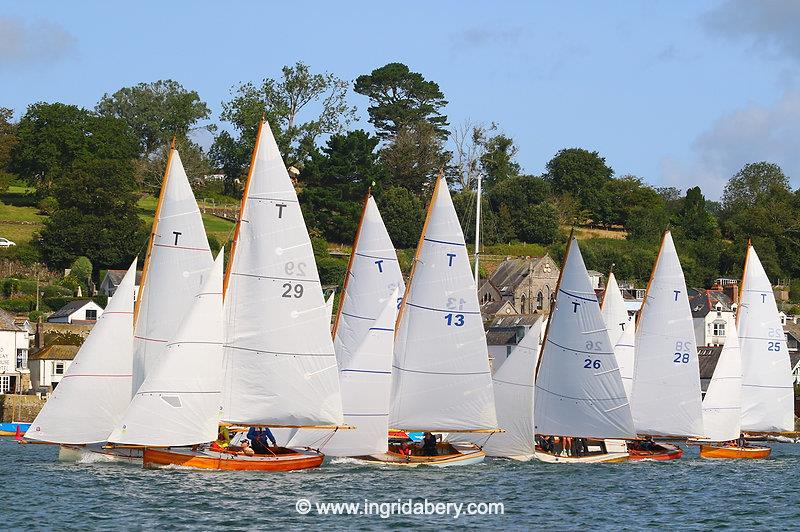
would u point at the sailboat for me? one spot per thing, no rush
(763, 395)
(95, 391)
(279, 367)
(441, 381)
(580, 408)
(665, 398)
(364, 340)
(621, 330)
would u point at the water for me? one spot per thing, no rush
(691, 493)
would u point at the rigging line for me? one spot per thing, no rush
(588, 400)
(333, 366)
(442, 372)
(580, 350)
(576, 296)
(375, 256)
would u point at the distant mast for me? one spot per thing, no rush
(477, 229)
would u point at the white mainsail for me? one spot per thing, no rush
(175, 271)
(373, 275)
(665, 397)
(722, 405)
(767, 392)
(280, 368)
(366, 383)
(621, 330)
(578, 389)
(329, 305)
(179, 401)
(441, 379)
(95, 390)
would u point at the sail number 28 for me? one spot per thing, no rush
(680, 356)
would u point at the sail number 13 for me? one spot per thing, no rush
(456, 320)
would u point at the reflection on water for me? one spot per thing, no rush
(41, 492)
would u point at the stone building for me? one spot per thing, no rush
(524, 284)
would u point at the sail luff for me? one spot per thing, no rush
(620, 330)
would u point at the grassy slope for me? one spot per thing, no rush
(221, 229)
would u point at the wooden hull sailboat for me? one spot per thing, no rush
(449, 454)
(280, 459)
(733, 451)
(656, 452)
(596, 451)
(94, 453)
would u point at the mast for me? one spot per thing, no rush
(245, 191)
(650, 281)
(741, 285)
(350, 265)
(153, 232)
(477, 230)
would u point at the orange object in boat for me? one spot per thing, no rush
(662, 452)
(281, 459)
(733, 452)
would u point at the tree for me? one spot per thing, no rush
(695, 221)
(155, 112)
(403, 215)
(299, 108)
(620, 197)
(519, 192)
(538, 225)
(580, 173)
(54, 136)
(96, 216)
(751, 183)
(497, 160)
(414, 158)
(8, 138)
(400, 99)
(149, 171)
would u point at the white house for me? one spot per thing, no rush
(80, 311)
(48, 366)
(14, 343)
(503, 335)
(112, 279)
(713, 313)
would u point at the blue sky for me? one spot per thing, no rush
(677, 92)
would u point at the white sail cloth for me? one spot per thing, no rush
(441, 379)
(179, 401)
(621, 330)
(176, 271)
(95, 390)
(366, 383)
(666, 398)
(722, 405)
(329, 305)
(280, 368)
(579, 390)
(767, 386)
(373, 276)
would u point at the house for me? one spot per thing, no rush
(112, 279)
(707, 356)
(14, 343)
(80, 311)
(49, 364)
(504, 333)
(713, 313)
(792, 331)
(525, 283)
(596, 278)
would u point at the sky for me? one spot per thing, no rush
(680, 93)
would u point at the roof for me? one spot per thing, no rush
(794, 358)
(115, 276)
(7, 322)
(70, 308)
(501, 337)
(492, 307)
(704, 301)
(793, 329)
(708, 357)
(515, 320)
(512, 272)
(55, 352)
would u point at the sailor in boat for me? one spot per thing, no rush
(246, 449)
(429, 444)
(261, 438)
(223, 439)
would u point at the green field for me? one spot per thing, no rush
(221, 229)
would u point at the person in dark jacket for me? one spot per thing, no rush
(260, 439)
(429, 445)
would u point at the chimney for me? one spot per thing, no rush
(732, 291)
(39, 336)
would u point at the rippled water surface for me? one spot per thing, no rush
(689, 493)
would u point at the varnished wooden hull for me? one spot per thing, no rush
(95, 453)
(587, 459)
(663, 452)
(729, 453)
(284, 460)
(459, 454)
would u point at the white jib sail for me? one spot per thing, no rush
(95, 391)
(621, 331)
(176, 271)
(441, 379)
(280, 368)
(767, 392)
(373, 276)
(579, 391)
(366, 383)
(666, 398)
(179, 400)
(722, 405)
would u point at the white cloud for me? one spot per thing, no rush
(750, 134)
(39, 42)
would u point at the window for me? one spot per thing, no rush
(5, 384)
(22, 359)
(539, 301)
(522, 305)
(91, 314)
(58, 368)
(719, 328)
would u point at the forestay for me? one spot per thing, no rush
(374, 274)
(441, 379)
(94, 392)
(579, 391)
(366, 383)
(722, 405)
(666, 397)
(767, 393)
(621, 331)
(280, 368)
(175, 271)
(179, 401)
